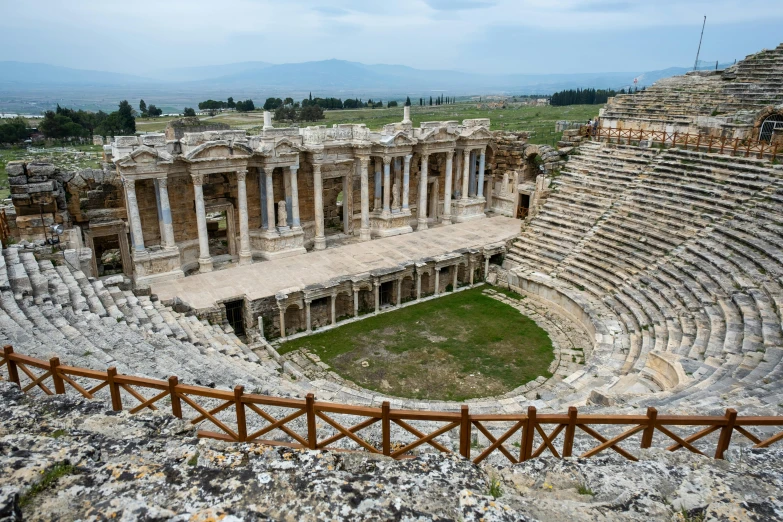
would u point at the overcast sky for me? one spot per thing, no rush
(492, 36)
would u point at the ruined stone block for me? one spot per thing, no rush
(17, 180)
(15, 168)
(45, 170)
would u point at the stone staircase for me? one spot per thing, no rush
(686, 261)
(48, 310)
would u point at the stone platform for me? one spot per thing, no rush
(266, 278)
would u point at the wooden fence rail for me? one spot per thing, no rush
(525, 430)
(698, 142)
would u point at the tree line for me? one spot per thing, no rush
(214, 105)
(587, 96)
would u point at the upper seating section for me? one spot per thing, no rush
(751, 84)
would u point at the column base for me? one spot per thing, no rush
(245, 258)
(364, 234)
(205, 264)
(446, 220)
(422, 224)
(319, 243)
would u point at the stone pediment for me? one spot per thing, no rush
(476, 133)
(439, 134)
(280, 148)
(218, 150)
(398, 139)
(145, 156)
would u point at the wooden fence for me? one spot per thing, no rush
(517, 442)
(5, 230)
(698, 142)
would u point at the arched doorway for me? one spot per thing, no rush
(768, 127)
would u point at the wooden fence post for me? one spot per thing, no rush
(312, 436)
(240, 407)
(725, 433)
(747, 149)
(176, 402)
(13, 372)
(568, 442)
(674, 139)
(386, 427)
(114, 389)
(529, 434)
(464, 432)
(709, 145)
(698, 142)
(722, 143)
(59, 385)
(734, 149)
(647, 436)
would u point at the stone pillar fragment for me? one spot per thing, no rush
(386, 186)
(270, 203)
(308, 324)
(204, 259)
(437, 281)
(465, 173)
(480, 188)
(292, 172)
(334, 309)
(282, 323)
(446, 217)
(165, 214)
(245, 257)
(318, 190)
(422, 212)
(364, 231)
(406, 182)
(377, 285)
(133, 215)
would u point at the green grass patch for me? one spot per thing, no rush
(49, 478)
(456, 347)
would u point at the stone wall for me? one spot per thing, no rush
(176, 129)
(38, 195)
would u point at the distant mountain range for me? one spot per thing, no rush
(36, 85)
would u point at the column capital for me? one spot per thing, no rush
(163, 183)
(466, 152)
(308, 302)
(293, 168)
(198, 179)
(316, 168)
(408, 158)
(376, 283)
(241, 175)
(364, 161)
(387, 160)
(129, 183)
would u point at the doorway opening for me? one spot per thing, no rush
(387, 293)
(235, 316)
(108, 255)
(217, 231)
(769, 126)
(524, 206)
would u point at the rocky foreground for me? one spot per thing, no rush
(64, 458)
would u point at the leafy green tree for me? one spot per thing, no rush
(271, 104)
(285, 113)
(311, 113)
(14, 130)
(407, 101)
(189, 111)
(392, 104)
(248, 105)
(230, 103)
(153, 111)
(288, 101)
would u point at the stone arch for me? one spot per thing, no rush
(767, 121)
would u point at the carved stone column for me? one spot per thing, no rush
(480, 188)
(406, 182)
(318, 198)
(422, 212)
(465, 173)
(133, 215)
(292, 172)
(165, 213)
(364, 231)
(245, 257)
(386, 185)
(377, 285)
(399, 292)
(472, 187)
(282, 322)
(418, 285)
(334, 309)
(308, 325)
(378, 186)
(355, 302)
(454, 281)
(437, 281)
(446, 217)
(270, 203)
(204, 259)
